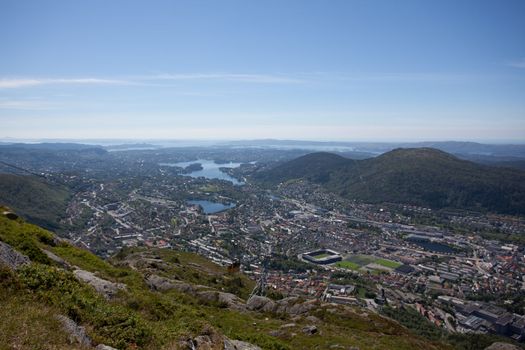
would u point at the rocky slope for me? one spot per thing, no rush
(57, 296)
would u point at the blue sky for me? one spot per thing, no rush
(320, 70)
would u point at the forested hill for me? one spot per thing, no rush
(36, 199)
(417, 176)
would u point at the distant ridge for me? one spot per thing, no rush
(417, 176)
(38, 201)
(49, 146)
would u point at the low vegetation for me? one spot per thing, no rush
(36, 199)
(140, 318)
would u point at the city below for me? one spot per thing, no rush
(460, 269)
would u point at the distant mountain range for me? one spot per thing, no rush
(503, 155)
(418, 176)
(49, 146)
(454, 147)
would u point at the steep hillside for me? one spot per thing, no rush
(316, 167)
(418, 176)
(57, 296)
(34, 198)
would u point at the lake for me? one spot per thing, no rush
(209, 207)
(210, 170)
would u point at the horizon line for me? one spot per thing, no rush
(321, 141)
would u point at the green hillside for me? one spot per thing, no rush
(34, 198)
(418, 176)
(165, 300)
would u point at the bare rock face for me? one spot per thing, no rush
(502, 346)
(105, 288)
(312, 319)
(10, 215)
(184, 287)
(104, 347)
(310, 330)
(11, 258)
(288, 326)
(209, 339)
(59, 240)
(258, 303)
(284, 305)
(302, 308)
(230, 300)
(57, 259)
(76, 333)
(163, 284)
(159, 283)
(293, 306)
(207, 342)
(238, 345)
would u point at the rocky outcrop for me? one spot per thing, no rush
(292, 305)
(288, 326)
(208, 339)
(104, 347)
(58, 260)
(310, 330)
(215, 341)
(312, 319)
(239, 345)
(158, 283)
(231, 301)
(76, 333)
(163, 284)
(10, 215)
(302, 308)
(502, 346)
(11, 258)
(61, 241)
(105, 288)
(259, 303)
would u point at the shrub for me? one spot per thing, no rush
(119, 327)
(113, 324)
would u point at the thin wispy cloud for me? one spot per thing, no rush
(246, 78)
(7, 83)
(163, 78)
(397, 77)
(308, 77)
(33, 105)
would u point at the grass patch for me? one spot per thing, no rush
(321, 256)
(357, 261)
(360, 259)
(388, 263)
(29, 324)
(347, 265)
(26, 238)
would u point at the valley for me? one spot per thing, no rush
(460, 270)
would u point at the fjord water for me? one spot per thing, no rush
(210, 170)
(209, 207)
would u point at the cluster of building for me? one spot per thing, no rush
(301, 220)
